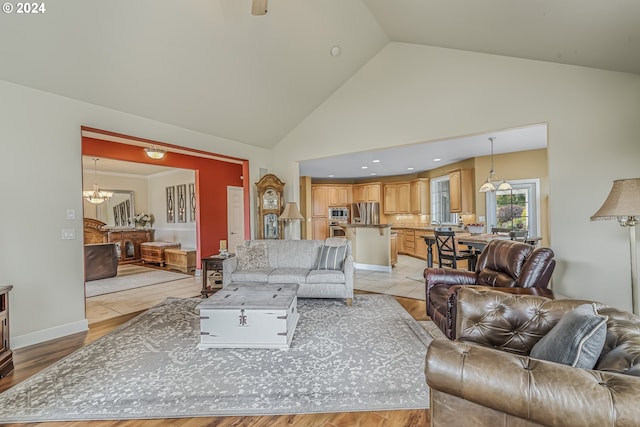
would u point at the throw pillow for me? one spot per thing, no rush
(254, 256)
(576, 340)
(332, 257)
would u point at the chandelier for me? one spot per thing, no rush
(96, 196)
(492, 182)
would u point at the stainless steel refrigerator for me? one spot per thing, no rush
(365, 213)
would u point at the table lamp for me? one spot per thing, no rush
(290, 214)
(623, 204)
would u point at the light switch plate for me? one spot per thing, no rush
(68, 234)
(481, 218)
(71, 214)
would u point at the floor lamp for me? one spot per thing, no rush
(290, 214)
(623, 204)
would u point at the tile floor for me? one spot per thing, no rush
(405, 280)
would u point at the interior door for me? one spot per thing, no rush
(235, 217)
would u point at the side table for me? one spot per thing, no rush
(212, 264)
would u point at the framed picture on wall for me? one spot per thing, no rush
(192, 202)
(182, 202)
(171, 204)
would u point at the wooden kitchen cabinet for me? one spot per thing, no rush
(373, 192)
(367, 192)
(394, 249)
(403, 197)
(461, 191)
(319, 201)
(421, 245)
(320, 228)
(419, 198)
(409, 241)
(400, 242)
(396, 198)
(6, 355)
(339, 195)
(390, 198)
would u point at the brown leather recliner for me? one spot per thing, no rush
(511, 266)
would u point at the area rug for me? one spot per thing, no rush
(366, 357)
(131, 277)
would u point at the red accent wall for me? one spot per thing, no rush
(211, 180)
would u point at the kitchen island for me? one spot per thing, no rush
(370, 245)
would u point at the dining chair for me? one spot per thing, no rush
(448, 252)
(519, 235)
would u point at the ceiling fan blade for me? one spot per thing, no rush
(259, 7)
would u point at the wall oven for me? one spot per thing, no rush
(335, 230)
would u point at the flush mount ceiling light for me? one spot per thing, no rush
(492, 182)
(96, 196)
(155, 152)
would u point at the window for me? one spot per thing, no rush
(515, 209)
(440, 207)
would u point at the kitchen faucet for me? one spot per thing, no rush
(434, 222)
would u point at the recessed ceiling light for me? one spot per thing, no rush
(409, 169)
(335, 51)
(376, 161)
(331, 176)
(364, 167)
(373, 173)
(437, 160)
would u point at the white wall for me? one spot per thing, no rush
(41, 177)
(412, 93)
(184, 233)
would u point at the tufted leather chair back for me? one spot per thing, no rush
(513, 323)
(508, 264)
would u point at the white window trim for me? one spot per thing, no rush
(491, 202)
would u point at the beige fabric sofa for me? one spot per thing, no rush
(296, 261)
(486, 378)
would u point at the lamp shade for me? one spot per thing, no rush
(290, 213)
(623, 200)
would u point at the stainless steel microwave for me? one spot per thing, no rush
(339, 214)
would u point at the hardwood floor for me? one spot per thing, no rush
(30, 360)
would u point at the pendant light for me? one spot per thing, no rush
(96, 196)
(491, 182)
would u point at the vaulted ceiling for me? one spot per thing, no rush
(210, 66)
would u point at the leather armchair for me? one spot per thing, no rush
(511, 266)
(486, 377)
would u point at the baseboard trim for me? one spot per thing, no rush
(372, 267)
(49, 334)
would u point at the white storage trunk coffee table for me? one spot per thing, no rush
(249, 315)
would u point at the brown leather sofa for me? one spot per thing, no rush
(485, 377)
(100, 261)
(521, 267)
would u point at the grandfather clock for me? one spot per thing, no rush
(270, 205)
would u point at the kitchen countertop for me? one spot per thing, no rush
(366, 225)
(425, 228)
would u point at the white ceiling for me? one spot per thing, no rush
(210, 66)
(420, 157)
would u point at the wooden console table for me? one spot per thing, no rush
(6, 355)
